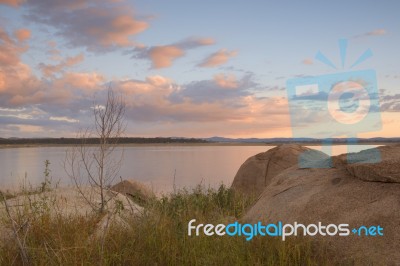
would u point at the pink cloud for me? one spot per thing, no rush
(152, 100)
(20, 87)
(10, 50)
(117, 32)
(226, 81)
(218, 58)
(49, 70)
(149, 106)
(14, 3)
(159, 81)
(71, 86)
(22, 34)
(206, 41)
(307, 61)
(154, 90)
(68, 94)
(376, 32)
(81, 81)
(2, 81)
(163, 56)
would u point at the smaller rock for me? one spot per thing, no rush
(137, 191)
(387, 171)
(380, 164)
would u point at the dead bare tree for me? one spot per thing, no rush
(97, 165)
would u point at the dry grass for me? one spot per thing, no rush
(157, 237)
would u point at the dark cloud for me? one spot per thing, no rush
(320, 96)
(394, 97)
(210, 91)
(275, 88)
(96, 25)
(390, 103)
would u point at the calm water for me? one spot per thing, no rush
(154, 165)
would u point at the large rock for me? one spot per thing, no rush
(258, 171)
(344, 194)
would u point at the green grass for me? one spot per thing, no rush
(158, 237)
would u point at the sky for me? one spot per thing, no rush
(191, 68)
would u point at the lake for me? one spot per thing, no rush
(155, 165)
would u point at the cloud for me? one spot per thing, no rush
(307, 61)
(226, 81)
(22, 34)
(15, 76)
(218, 58)
(376, 32)
(10, 49)
(276, 88)
(49, 70)
(30, 129)
(30, 117)
(164, 55)
(63, 118)
(52, 104)
(53, 52)
(209, 91)
(96, 25)
(194, 42)
(13, 3)
(159, 100)
(86, 82)
(26, 100)
(19, 87)
(55, 105)
(390, 103)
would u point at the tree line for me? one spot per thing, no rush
(122, 140)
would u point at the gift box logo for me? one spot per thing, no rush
(333, 105)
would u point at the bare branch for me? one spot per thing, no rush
(97, 166)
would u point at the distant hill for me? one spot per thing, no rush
(301, 140)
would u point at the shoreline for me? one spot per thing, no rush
(12, 146)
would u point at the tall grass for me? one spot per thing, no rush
(158, 236)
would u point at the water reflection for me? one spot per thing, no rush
(154, 165)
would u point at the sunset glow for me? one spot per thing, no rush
(197, 69)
